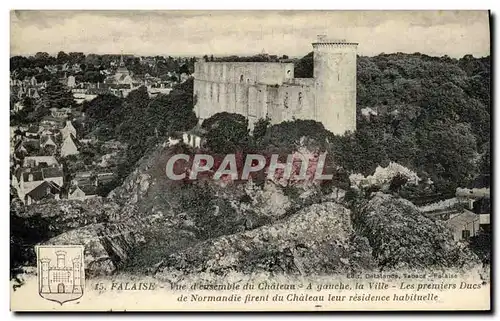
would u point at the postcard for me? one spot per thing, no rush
(250, 160)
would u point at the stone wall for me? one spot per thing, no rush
(257, 89)
(335, 85)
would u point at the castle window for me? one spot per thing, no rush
(241, 78)
(288, 72)
(285, 100)
(300, 98)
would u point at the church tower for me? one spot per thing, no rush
(335, 84)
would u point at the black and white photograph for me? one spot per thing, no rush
(250, 160)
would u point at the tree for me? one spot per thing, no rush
(226, 132)
(57, 95)
(304, 68)
(448, 153)
(260, 128)
(76, 57)
(173, 112)
(104, 112)
(135, 128)
(62, 57)
(41, 59)
(293, 134)
(18, 62)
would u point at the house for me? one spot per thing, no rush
(32, 131)
(76, 68)
(475, 217)
(18, 107)
(82, 97)
(155, 91)
(113, 145)
(30, 179)
(20, 149)
(16, 175)
(46, 190)
(68, 130)
(46, 132)
(463, 225)
(84, 178)
(36, 161)
(27, 146)
(47, 141)
(51, 68)
(70, 146)
(104, 178)
(71, 82)
(192, 140)
(482, 207)
(60, 113)
(82, 192)
(49, 122)
(368, 112)
(33, 93)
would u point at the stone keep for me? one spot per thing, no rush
(260, 89)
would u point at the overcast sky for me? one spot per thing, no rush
(453, 33)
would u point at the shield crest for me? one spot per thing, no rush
(61, 274)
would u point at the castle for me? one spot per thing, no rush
(61, 278)
(260, 89)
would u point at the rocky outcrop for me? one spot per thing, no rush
(38, 223)
(67, 214)
(316, 239)
(401, 236)
(107, 246)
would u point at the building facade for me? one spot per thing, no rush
(260, 89)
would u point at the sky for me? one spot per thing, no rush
(436, 33)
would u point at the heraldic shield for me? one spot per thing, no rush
(61, 274)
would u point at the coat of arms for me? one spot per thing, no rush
(61, 275)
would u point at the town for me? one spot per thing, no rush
(52, 154)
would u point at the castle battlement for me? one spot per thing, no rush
(333, 44)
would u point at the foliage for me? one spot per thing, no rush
(304, 68)
(57, 95)
(173, 112)
(433, 116)
(481, 245)
(260, 128)
(289, 135)
(226, 132)
(104, 114)
(140, 122)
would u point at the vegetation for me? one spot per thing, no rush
(433, 117)
(402, 237)
(140, 122)
(226, 132)
(89, 66)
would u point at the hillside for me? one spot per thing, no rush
(429, 114)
